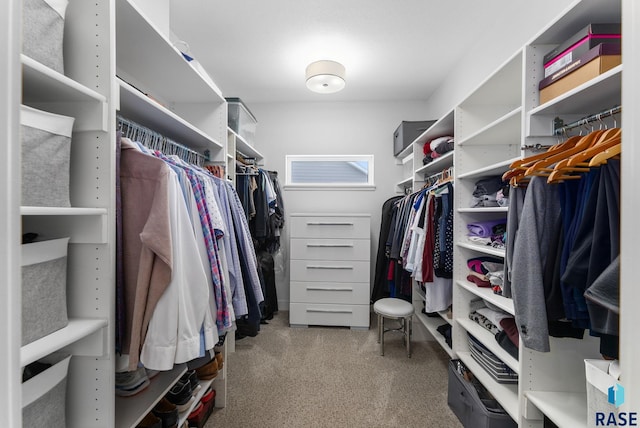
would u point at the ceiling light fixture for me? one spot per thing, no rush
(325, 77)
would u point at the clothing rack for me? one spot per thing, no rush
(442, 175)
(559, 128)
(156, 141)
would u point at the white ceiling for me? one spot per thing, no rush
(392, 49)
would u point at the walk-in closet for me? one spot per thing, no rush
(320, 214)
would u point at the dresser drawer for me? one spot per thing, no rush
(330, 249)
(329, 314)
(329, 271)
(330, 227)
(330, 292)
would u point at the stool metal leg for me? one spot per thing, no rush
(407, 334)
(381, 331)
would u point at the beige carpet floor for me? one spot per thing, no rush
(333, 377)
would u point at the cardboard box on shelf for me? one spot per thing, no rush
(578, 44)
(601, 49)
(588, 71)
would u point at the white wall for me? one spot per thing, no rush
(367, 127)
(521, 21)
(333, 128)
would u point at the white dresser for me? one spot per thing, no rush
(330, 270)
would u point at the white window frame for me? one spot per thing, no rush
(369, 185)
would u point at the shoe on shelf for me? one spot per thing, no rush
(191, 377)
(152, 373)
(180, 395)
(221, 340)
(197, 417)
(167, 412)
(219, 359)
(131, 383)
(208, 400)
(208, 371)
(150, 421)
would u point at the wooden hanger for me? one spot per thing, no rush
(541, 167)
(530, 160)
(576, 163)
(519, 167)
(602, 157)
(609, 138)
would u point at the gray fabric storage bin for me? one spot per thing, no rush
(44, 288)
(464, 401)
(599, 380)
(43, 31)
(44, 397)
(46, 153)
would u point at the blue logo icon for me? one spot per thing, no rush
(616, 395)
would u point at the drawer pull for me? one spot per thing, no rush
(330, 245)
(329, 267)
(329, 288)
(328, 223)
(331, 311)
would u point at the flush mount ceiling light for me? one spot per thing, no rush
(325, 77)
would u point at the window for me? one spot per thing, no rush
(329, 171)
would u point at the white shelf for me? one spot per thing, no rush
(443, 315)
(488, 295)
(407, 182)
(136, 106)
(443, 127)
(63, 211)
(438, 164)
(600, 93)
(81, 225)
(432, 324)
(503, 130)
(482, 249)
(131, 410)
(505, 394)
(405, 152)
(565, 409)
(405, 160)
(49, 90)
(205, 384)
(488, 340)
(493, 169)
(245, 148)
(74, 331)
(41, 83)
(142, 52)
(484, 210)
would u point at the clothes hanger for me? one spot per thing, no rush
(579, 162)
(540, 168)
(602, 157)
(518, 168)
(609, 138)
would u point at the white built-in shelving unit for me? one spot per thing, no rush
(117, 61)
(159, 89)
(500, 121)
(416, 173)
(84, 92)
(238, 145)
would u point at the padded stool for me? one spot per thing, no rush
(395, 309)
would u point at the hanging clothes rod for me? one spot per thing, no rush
(156, 141)
(442, 175)
(561, 129)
